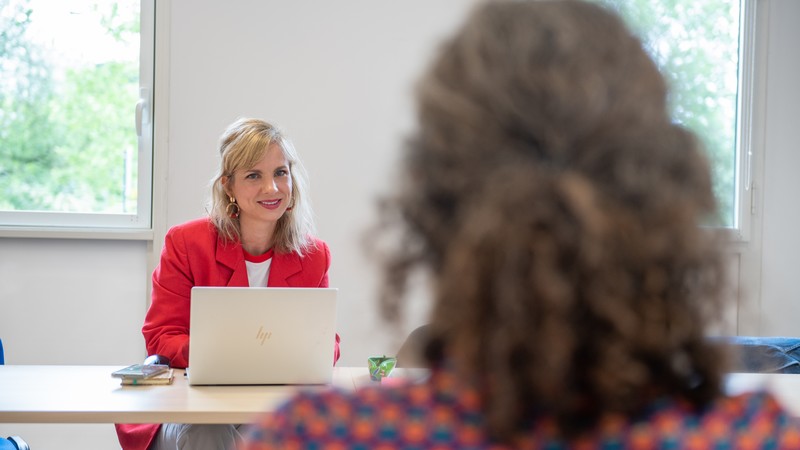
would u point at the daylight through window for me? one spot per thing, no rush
(69, 150)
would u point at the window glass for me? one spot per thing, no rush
(696, 45)
(68, 139)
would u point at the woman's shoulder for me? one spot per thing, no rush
(757, 405)
(194, 229)
(753, 417)
(313, 249)
(344, 406)
(201, 224)
(395, 414)
(194, 233)
(317, 245)
(422, 391)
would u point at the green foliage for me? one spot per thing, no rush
(26, 131)
(99, 138)
(695, 44)
(67, 142)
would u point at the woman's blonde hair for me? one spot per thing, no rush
(241, 146)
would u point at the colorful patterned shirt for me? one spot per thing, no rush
(442, 413)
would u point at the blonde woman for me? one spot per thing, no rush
(259, 233)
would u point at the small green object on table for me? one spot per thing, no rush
(380, 366)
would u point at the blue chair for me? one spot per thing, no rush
(11, 442)
(755, 354)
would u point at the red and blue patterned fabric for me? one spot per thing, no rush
(442, 413)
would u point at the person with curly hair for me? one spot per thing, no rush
(558, 211)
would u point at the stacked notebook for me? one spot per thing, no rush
(162, 378)
(144, 374)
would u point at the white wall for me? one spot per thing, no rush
(780, 271)
(337, 76)
(71, 302)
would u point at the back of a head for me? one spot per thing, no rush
(558, 208)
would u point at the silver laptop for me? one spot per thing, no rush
(245, 335)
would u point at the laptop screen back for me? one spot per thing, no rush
(245, 335)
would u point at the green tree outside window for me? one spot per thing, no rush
(696, 46)
(67, 137)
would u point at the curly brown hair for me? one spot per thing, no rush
(558, 209)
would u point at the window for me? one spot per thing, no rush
(75, 123)
(703, 48)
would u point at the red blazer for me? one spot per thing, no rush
(193, 255)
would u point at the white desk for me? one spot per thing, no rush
(88, 394)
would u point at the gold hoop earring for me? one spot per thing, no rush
(232, 210)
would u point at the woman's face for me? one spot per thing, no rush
(263, 191)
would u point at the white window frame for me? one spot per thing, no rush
(41, 224)
(745, 184)
(744, 243)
